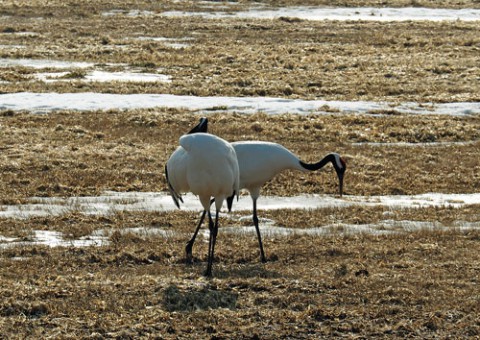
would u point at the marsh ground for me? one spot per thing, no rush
(422, 284)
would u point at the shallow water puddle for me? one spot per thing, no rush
(112, 202)
(269, 229)
(51, 238)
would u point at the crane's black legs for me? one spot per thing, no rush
(211, 244)
(255, 222)
(189, 246)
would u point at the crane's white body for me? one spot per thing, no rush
(259, 162)
(205, 165)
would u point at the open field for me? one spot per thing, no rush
(417, 277)
(86, 153)
(418, 285)
(403, 61)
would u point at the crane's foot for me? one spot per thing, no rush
(208, 272)
(263, 259)
(188, 253)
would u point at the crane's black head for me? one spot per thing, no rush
(340, 167)
(338, 163)
(202, 126)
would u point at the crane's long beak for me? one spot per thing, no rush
(340, 183)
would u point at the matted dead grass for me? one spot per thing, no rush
(423, 284)
(417, 285)
(403, 61)
(86, 153)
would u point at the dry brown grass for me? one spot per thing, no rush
(417, 285)
(412, 61)
(86, 153)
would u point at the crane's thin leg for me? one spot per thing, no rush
(255, 221)
(189, 246)
(211, 245)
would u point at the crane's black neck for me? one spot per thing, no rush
(202, 126)
(330, 158)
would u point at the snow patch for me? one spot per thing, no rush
(384, 227)
(103, 76)
(129, 13)
(43, 63)
(169, 42)
(112, 202)
(53, 239)
(414, 144)
(342, 14)
(89, 101)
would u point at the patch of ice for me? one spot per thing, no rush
(216, 4)
(22, 34)
(103, 76)
(343, 14)
(43, 63)
(380, 228)
(28, 210)
(126, 76)
(268, 229)
(414, 145)
(13, 47)
(129, 13)
(88, 101)
(4, 239)
(49, 77)
(141, 231)
(112, 202)
(54, 239)
(169, 42)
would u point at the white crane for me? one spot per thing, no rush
(207, 166)
(259, 162)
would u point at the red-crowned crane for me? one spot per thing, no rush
(259, 162)
(207, 166)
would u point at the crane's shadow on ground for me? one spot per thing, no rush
(245, 271)
(210, 295)
(242, 270)
(176, 299)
